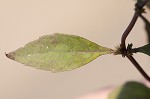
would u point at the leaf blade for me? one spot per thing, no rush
(58, 52)
(144, 49)
(130, 90)
(147, 26)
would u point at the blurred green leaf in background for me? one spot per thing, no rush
(131, 90)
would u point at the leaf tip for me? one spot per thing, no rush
(10, 56)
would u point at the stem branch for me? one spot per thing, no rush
(135, 63)
(127, 31)
(125, 51)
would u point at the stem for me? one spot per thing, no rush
(135, 63)
(138, 10)
(127, 31)
(125, 51)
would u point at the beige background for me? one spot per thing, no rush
(101, 21)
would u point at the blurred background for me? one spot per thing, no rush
(101, 21)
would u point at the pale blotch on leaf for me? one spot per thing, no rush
(58, 52)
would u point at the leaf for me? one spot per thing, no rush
(130, 90)
(147, 26)
(144, 49)
(58, 52)
(148, 4)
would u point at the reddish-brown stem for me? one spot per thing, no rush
(125, 52)
(138, 10)
(135, 63)
(127, 31)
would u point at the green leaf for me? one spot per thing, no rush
(130, 90)
(148, 4)
(147, 26)
(58, 52)
(144, 49)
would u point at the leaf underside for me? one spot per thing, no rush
(58, 52)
